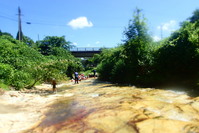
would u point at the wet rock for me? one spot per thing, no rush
(166, 126)
(96, 107)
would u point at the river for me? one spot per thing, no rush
(100, 107)
(97, 107)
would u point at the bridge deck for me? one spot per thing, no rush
(85, 52)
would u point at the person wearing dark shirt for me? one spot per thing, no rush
(76, 77)
(94, 73)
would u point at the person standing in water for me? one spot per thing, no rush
(76, 77)
(54, 84)
(94, 73)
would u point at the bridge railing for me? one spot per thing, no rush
(86, 49)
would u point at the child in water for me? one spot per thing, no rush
(54, 85)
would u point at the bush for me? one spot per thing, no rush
(22, 66)
(6, 73)
(21, 79)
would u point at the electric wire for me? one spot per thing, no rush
(5, 17)
(51, 24)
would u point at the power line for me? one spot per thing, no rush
(51, 24)
(27, 22)
(5, 17)
(46, 24)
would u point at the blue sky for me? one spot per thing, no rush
(92, 23)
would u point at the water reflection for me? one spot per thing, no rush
(101, 107)
(60, 111)
(191, 91)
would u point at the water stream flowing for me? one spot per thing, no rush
(96, 107)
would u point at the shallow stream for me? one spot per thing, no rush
(95, 107)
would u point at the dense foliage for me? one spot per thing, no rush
(23, 64)
(49, 42)
(140, 61)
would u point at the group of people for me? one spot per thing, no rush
(77, 78)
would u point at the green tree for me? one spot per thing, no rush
(5, 33)
(6, 73)
(28, 41)
(106, 66)
(137, 28)
(136, 49)
(17, 37)
(22, 66)
(50, 42)
(61, 52)
(132, 61)
(195, 16)
(178, 59)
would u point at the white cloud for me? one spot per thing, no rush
(98, 42)
(168, 26)
(80, 22)
(156, 38)
(74, 43)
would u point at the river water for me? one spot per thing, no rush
(97, 107)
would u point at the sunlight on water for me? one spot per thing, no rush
(68, 94)
(177, 116)
(165, 100)
(154, 110)
(178, 92)
(94, 95)
(100, 107)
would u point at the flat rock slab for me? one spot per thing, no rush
(97, 107)
(94, 107)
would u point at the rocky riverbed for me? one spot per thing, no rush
(97, 107)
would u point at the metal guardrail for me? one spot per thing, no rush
(85, 49)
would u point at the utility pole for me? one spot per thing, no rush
(19, 34)
(38, 37)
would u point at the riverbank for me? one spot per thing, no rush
(20, 110)
(92, 106)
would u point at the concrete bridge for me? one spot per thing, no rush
(85, 51)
